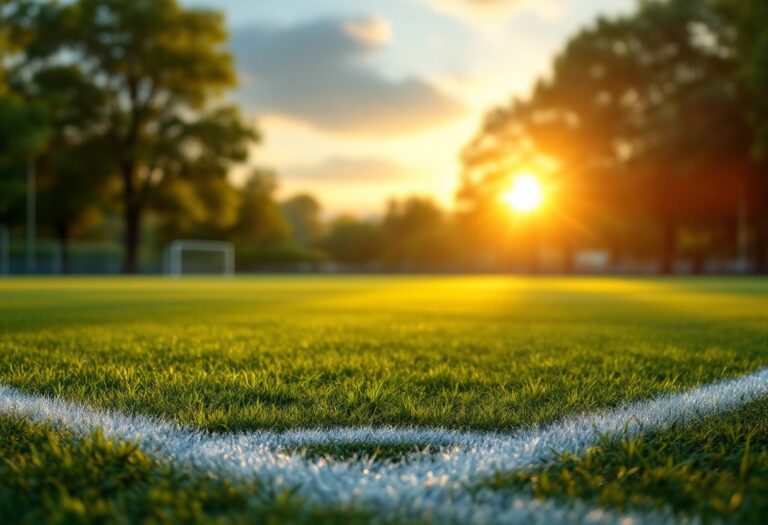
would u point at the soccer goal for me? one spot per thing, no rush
(200, 257)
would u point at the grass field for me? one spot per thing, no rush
(479, 354)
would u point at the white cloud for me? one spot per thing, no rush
(373, 32)
(317, 72)
(494, 12)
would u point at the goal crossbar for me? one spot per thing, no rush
(176, 249)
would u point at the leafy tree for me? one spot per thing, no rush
(23, 130)
(260, 222)
(641, 119)
(353, 241)
(74, 165)
(416, 233)
(204, 209)
(750, 47)
(303, 215)
(750, 20)
(159, 67)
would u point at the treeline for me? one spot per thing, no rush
(650, 135)
(116, 108)
(651, 132)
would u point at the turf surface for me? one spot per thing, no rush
(52, 477)
(485, 353)
(482, 353)
(715, 468)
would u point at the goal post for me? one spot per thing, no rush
(174, 255)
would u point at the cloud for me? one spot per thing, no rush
(371, 31)
(495, 4)
(490, 11)
(348, 170)
(360, 185)
(317, 72)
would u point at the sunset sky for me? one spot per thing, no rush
(361, 100)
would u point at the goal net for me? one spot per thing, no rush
(194, 257)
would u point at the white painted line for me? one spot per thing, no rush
(421, 485)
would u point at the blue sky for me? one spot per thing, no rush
(362, 100)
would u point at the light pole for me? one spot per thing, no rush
(31, 217)
(5, 247)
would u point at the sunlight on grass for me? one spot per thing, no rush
(467, 352)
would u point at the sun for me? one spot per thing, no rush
(526, 194)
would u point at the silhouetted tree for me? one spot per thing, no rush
(260, 222)
(415, 233)
(200, 209)
(353, 241)
(303, 214)
(159, 67)
(74, 165)
(23, 132)
(750, 48)
(641, 120)
(23, 129)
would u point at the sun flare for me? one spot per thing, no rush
(525, 195)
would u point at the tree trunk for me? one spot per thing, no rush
(698, 262)
(63, 237)
(132, 208)
(761, 236)
(616, 254)
(668, 245)
(132, 218)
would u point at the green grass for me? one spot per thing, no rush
(487, 353)
(716, 468)
(481, 353)
(47, 476)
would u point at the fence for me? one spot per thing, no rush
(81, 258)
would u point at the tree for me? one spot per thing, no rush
(23, 130)
(303, 215)
(160, 68)
(260, 222)
(204, 209)
(353, 241)
(415, 233)
(641, 120)
(750, 47)
(73, 167)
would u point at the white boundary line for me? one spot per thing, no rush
(421, 485)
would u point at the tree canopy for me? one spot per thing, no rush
(156, 73)
(643, 119)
